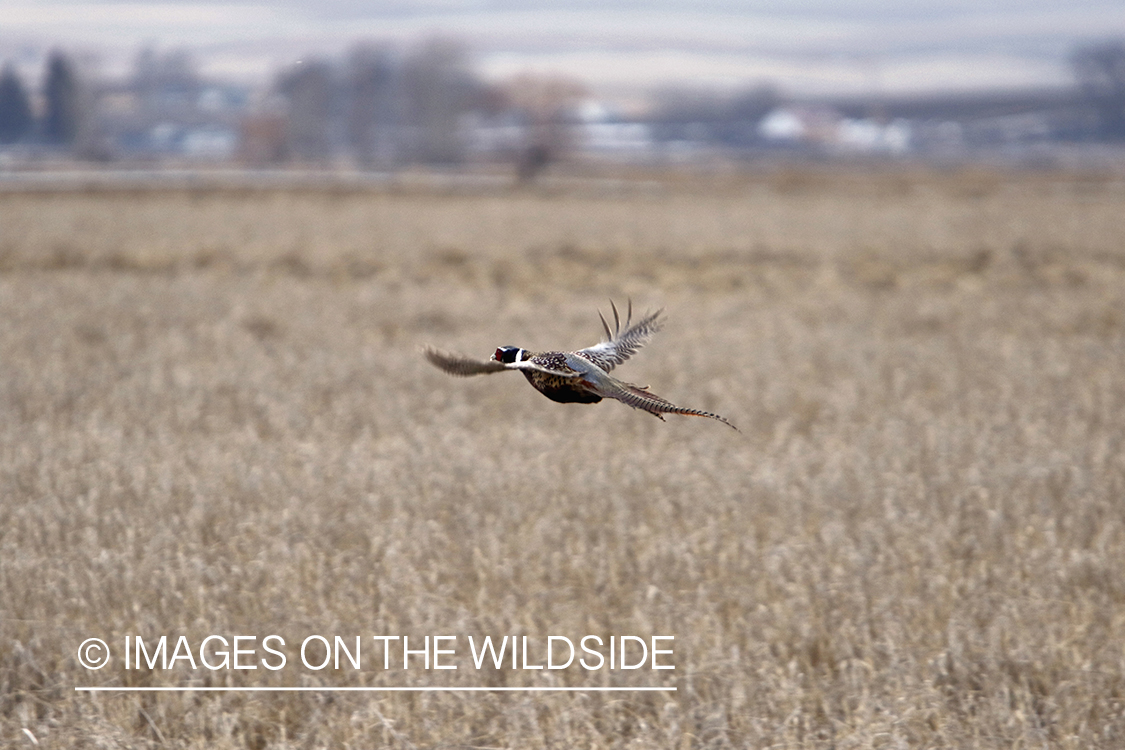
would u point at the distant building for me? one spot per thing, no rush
(600, 131)
(800, 124)
(870, 136)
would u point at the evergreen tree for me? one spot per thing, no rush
(60, 123)
(15, 109)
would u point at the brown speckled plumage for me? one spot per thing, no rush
(554, 387)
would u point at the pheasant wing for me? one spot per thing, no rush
(622, 344)
(461, 366)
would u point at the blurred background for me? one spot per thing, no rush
(521, 87)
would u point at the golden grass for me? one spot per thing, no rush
(214, 418)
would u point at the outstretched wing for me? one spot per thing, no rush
(455, 364)
(461, 366)
(620, 345)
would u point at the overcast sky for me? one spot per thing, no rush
(615, 46)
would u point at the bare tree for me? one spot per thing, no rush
(370, 104)
(166, 83)
(438, 87)
(309, 89)
(547, 104)
(262, 139)
(1100, 69)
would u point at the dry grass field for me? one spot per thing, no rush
(215, 419)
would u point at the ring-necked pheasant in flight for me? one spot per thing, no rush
(580, 376)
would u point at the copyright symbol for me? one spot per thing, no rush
(93, 653)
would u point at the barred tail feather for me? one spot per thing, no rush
(639, 398)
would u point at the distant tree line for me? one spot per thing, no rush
(387, 107)
(384, 107)
(58, 123)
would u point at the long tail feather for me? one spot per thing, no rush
(639, 398)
